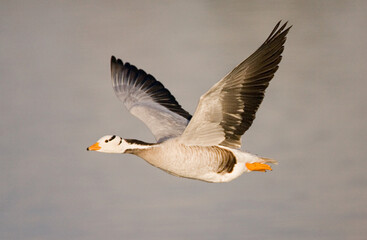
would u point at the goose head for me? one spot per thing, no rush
(109, 144)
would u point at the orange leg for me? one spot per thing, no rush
(262, 167)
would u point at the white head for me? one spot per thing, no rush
(110, 144)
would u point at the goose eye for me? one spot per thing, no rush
(106, 141)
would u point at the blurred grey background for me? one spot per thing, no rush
(56, 99)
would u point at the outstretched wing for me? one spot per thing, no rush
(147, 99)
(228, 109)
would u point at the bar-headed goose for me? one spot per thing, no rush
(204, 146)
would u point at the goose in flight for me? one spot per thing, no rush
(205, 146)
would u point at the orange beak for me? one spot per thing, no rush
(94, 147)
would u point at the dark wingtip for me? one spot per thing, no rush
(116, 61)
(278, 24)
(289, 28)
(285, 25)
(113, 58)
(278, 30)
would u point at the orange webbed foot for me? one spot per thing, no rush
(256, 166)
